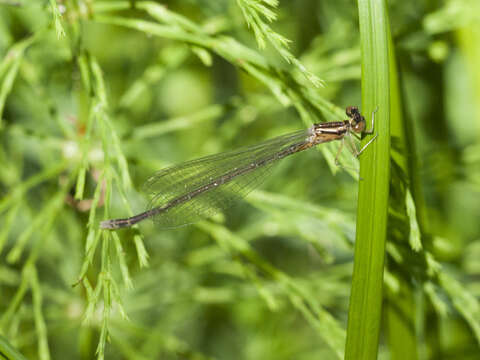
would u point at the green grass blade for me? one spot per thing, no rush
(400, 307)
(366, 296)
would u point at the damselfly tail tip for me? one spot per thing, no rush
(114, 224)
(107, 224)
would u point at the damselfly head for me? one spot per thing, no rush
(352, 111)
(357, 121)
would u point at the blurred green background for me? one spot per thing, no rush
(95, 96)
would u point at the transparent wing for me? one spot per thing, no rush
(202, 187)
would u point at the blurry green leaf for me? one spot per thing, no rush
(57, 16)
(414, 238)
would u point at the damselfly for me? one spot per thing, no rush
(185, 193)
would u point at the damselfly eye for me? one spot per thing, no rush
(351, 111)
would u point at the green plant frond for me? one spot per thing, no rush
(253, 11)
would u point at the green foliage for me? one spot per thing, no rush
(95, 96)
